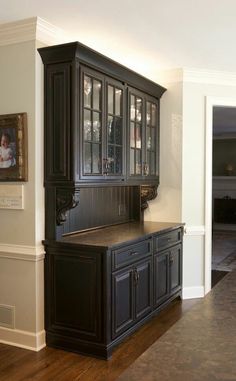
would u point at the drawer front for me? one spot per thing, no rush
(131, 253)
(166, 240)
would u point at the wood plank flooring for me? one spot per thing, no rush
(56, 365)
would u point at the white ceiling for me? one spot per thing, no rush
(143, 34)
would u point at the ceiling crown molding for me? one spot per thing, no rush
(212, 77)
(31, 29)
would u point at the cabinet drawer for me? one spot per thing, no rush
(168, 239)
(131, 253)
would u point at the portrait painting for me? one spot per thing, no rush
(13, 147)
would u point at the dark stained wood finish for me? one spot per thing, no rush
(121, 234)
(51, 364)
(86, 311)
(102, 206)
(99, 284)
(99, 62)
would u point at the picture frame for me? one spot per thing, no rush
(13, 147)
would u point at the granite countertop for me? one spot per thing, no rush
(113, 236)
(201, 346)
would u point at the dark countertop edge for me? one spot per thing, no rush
(64, 242)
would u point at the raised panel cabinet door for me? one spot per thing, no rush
(175, 268)
(161, 278)
(122, 301)
(58, 122)
(143, 288)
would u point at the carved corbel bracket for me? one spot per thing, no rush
(148, 193)
(66, 199)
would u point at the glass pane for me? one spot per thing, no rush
(154, 107)
(148, 138)
(110, 129)
(118, 160)
(138, 136)
(110, 100)
(138, 109)
(132, 107)
(152, 164)
(132, 135)
(132, 151)
(87, 158)
(111, 159)
(97, 94)
(96, 158)
(96, 127)
(87, 91)
(148, 165)
(87, 125)
(118, 131)
(118, 102)
(138, 162)
(153, 130)
(148, 115)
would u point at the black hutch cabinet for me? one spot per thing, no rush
(106, 270)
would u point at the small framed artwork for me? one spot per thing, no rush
(13, 147)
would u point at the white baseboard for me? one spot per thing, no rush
(23, 339)
(193, 292)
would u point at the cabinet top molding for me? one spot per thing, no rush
(75, 51)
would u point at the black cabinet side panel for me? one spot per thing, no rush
(76, 295)
(58, 122)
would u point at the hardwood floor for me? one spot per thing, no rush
(216, 276)
(56, 365)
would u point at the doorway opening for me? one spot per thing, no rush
(211, 103)
(223, 192)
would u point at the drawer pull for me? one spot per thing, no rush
(133, 252)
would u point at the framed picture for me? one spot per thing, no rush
(13, 147)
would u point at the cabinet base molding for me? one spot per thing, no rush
(101, 350)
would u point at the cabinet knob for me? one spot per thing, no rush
(133, 252)
(105, 166)
(145, 169)
(136, 276)
(171, 259)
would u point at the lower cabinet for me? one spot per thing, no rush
(96, 296)
(167, 273)
(131, 295)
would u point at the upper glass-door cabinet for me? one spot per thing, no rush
(102, 132)
(143, 136)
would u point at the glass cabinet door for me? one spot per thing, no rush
(136, 135)
(92, 125)
(150, 166)
(102, 118)
(114, 164)
(143, 136)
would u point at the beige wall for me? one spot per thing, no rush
(167, 205)
(21, 231)
(182, 184)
